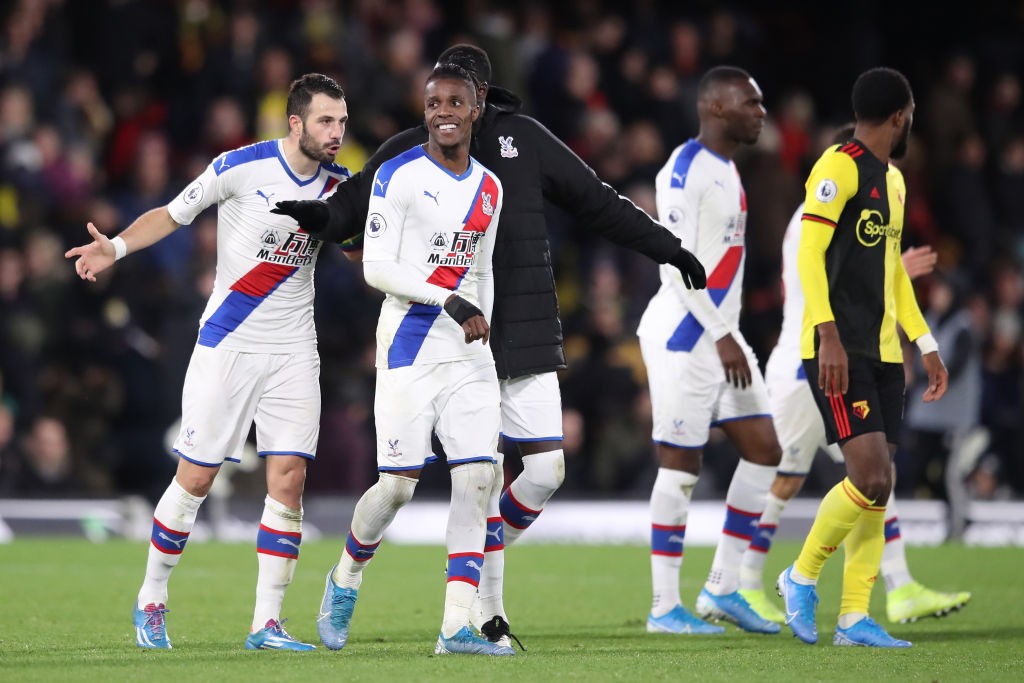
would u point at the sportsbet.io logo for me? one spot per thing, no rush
(871, 228)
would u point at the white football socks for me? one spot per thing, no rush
(173, 519)
(670, 504)
(373, 513)
(277, 551)
(471, 489)
(745, 502)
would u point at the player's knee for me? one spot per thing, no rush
(195, 479)
(875, 486)
(291, 481)
(772, 455)
(477, 479)
(397, 489)
(546, 470)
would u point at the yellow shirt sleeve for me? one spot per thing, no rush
(908, 312)
(831, 184)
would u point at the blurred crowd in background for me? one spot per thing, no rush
(110, 107)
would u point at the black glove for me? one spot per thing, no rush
(694, 276)
(460, 309)
(311, 214)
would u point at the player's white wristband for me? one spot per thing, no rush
(927, 344)
(120, 248)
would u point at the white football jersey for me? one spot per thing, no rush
(262, 298)
(785, 357)
(440, 229)
(700, 199)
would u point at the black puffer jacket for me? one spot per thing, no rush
(533, 165)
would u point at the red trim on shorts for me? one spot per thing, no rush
(840, 416)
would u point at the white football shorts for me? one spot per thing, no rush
(797, 421)
(531, 408)
(458, 400)
(689, 394)
(226, 391)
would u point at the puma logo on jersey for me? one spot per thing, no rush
(432, 196)
(381, 183)
(266, 197)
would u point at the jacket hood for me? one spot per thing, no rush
(503, 100)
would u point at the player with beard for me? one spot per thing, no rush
(256, 355)
(857, 291)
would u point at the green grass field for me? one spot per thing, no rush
(580, 611)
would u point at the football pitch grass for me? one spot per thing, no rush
(580, 610)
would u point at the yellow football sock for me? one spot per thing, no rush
(864, 546)
(839, 511)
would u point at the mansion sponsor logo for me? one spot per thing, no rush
(297, 249)
(461, 252)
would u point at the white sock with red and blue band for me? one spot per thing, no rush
(756, 554)
(490, 589)
(277, 551)
(373, 513)
(173, 519)
(464, 537)
(894, 569)
(744, 502)
(526, 497)
(670, 505)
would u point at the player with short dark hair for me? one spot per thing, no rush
(857, 292)
(702, 372)
(429, 238)
(534, 167)
(802, 434)
(256, 356)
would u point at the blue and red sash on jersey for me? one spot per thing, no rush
(719, 282)
(413, 329)
(250, 291)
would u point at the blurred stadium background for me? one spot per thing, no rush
(109, 107)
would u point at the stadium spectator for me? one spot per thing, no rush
(934, 429)
(41, 465)
(701, 371)
(645, 68)
(257, 345)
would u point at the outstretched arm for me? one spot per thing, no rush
(574, 186)
(100, 254)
